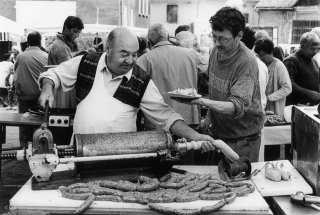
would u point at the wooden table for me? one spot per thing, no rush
(51, 201)
(283, 206)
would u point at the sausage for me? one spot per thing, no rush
(213, 208)
(132, 199)
(78, 185)
(215, 196)
(199, 187)
(217, 181)
(109, 184)
(165, 177)
(187, 198)
(107, 191)
(206, 177)
(157, 199)
(126, 185)
(111, 198)
(77, 196)
(230, 198)
(215, 186)
(172, 185)
(169, 210)
(81, 190)
(219, 190)
(149, 185)
(86, 204)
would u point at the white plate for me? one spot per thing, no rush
(172, 95)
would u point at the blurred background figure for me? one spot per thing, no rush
(249, 39)
(261, 34)
(279, 84)
(182, 28)
(28, 67)
(278, 53)
(61, 51)
(98, 43)
(187, 39)
(316, 30)
(304, 71)
(172, 67)
(5, 66)
(143, 46)
(15, 50)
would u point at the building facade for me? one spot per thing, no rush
(107, 12)
(285, 20)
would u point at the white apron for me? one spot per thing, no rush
(99, 112)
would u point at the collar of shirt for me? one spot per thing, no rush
(32, 48)
(162, 43)
(109, 75)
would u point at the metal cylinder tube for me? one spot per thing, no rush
(122, 143)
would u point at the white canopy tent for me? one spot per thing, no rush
(91, 29)
(10, 30)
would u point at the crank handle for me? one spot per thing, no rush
(187, 146)
(196, 145)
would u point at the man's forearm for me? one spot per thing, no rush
(300, 90)
(181, 129)
(219, 106)
(47, 84)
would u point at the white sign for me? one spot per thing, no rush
(44, 14)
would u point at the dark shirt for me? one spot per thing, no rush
(96, 41)
(305, 73)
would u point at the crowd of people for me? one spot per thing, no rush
(124, 85)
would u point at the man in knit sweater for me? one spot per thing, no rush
(235, 113)
(304, 71)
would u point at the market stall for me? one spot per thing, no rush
(45, 196)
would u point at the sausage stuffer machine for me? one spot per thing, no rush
(110, 150)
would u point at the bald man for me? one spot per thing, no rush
(304, 71)
(110, 89)
(167, 64)
(316, 30)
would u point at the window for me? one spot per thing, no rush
(301, 26)
(143, 8)
(172, 13)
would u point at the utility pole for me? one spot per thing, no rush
(120, 13)
(97, 15)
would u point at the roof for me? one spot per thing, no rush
(7, 25)
(276, 4)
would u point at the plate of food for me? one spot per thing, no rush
(188, 93)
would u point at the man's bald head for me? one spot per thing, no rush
(121, 51)
(157, 33)
(121, 34)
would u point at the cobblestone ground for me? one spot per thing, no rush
(14, 173)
